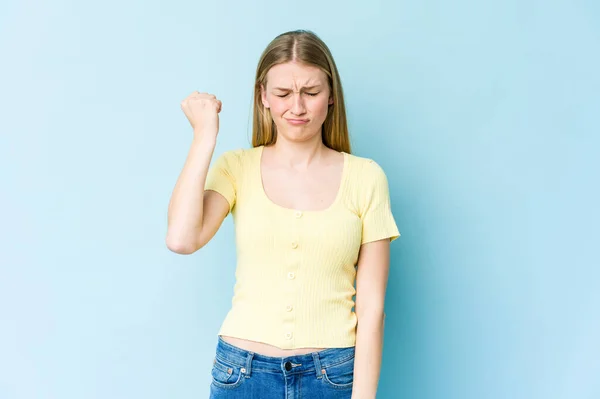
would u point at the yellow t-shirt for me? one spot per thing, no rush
(296, 269)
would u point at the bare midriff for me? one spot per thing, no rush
(266, 349)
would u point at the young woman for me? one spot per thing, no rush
(311, 220)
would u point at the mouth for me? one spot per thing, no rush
(297, 121)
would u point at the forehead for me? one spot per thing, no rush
(292, 74)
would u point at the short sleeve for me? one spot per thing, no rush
(221, 177)
(376, 214)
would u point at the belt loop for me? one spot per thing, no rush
(249, 358)
(317, 361)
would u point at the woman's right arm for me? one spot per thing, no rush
(195, 215)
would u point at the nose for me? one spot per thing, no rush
(298, 104)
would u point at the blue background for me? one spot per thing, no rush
(483, 114)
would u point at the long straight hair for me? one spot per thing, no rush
(307, 48)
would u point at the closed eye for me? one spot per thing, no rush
(285, 95)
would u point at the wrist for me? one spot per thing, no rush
(204, 141)
(205, 133)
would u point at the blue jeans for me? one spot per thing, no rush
(240, 374)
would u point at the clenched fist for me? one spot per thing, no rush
(202, 111)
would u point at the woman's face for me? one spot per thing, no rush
(298, 97)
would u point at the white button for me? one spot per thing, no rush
(294, 244)
(289, 308)
(291, 275)
(288, 335)
(298, 214)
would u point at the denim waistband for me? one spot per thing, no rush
(313, 361)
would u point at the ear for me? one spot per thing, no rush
(330, 100)
(263, 96)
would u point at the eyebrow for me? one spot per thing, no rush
(304, 88)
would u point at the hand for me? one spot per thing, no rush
(202, 111)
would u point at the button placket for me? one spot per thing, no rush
(289, 310)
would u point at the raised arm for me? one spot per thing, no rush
(195, 215)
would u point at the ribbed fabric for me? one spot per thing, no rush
(295, 269)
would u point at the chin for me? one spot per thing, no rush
(299, 133)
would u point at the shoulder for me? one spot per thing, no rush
(365, 169)
(368, 184)
(236, 158)
(367, 181)
(238, 153)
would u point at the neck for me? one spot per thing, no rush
(298, 154)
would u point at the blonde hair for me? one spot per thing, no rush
(307, 48)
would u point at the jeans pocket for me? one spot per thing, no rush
(340, 375)
(226, 375)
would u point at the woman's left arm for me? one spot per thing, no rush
(371, 282)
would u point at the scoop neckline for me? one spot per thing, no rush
(284, 208)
